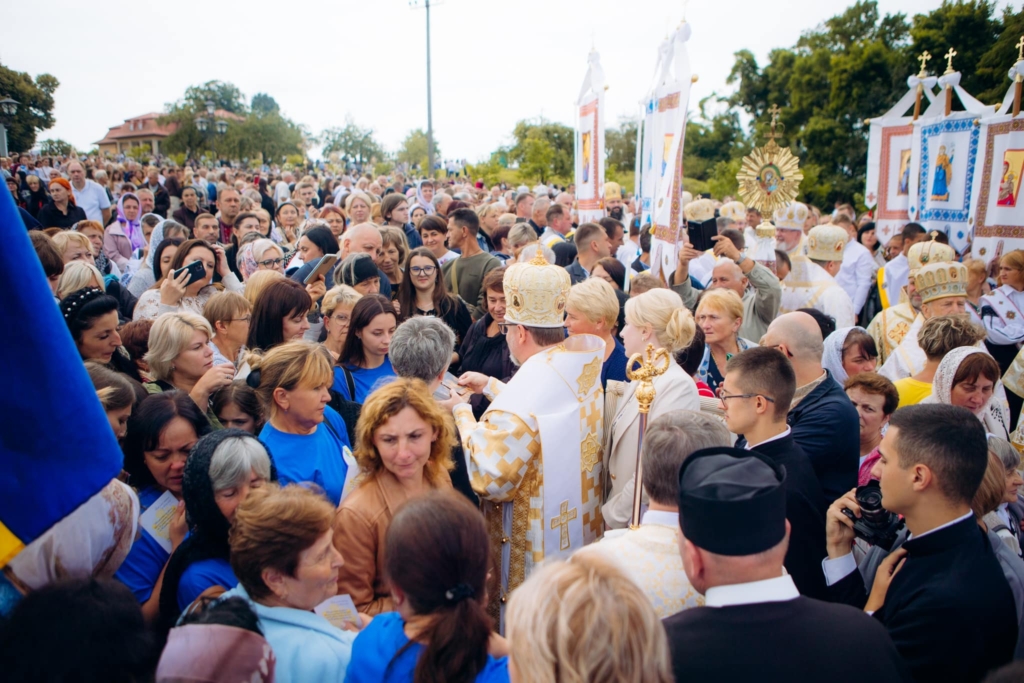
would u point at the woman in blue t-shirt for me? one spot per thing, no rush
(363, 363)
(220, 470)
(308, 439)
(161, 433)
(437, 555)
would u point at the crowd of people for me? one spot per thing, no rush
(392, 430)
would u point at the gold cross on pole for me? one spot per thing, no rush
(1020, 48)
(561, 522)
(949, 60)
(925, 56)
(774, 111)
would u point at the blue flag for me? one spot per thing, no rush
(56, 447)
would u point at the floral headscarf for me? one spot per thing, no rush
(246, 261)
(421, 201)
(132, 229)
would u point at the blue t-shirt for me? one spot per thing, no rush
(365, 380)
(201, 575)
(377, 644)
(315, 458)
(615, 367)
(147, 558)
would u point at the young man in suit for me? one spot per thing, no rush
(941, 594)
(756, 625)
(758, 388)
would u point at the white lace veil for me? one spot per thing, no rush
(832, 358)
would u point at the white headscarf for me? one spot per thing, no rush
(992, 414)
(832, 358)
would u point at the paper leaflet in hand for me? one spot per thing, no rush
(339, 610)
(156, 520)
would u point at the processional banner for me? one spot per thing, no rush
(887, 190)
(998, 207)
(664, 137)
(590, 126)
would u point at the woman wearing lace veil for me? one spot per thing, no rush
(969, 377)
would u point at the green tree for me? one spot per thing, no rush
(537, 157)
(35, 106)
(620, 146)
(224, 96)
(969, 28)
(352, 143)
(270, 136)
(559, 138)
(413, 150)
(263, 103)
(56, 147)
(990, 73)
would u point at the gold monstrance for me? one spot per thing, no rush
(770, 176)
(654, 365)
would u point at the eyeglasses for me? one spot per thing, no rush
(503, 327)
(271, 262)
(423, 270)
(241, 320)
(725, 397)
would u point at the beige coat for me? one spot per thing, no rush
(674, 390)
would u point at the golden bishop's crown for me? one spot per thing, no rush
(535, 293)
(941, 280)
(923, 253)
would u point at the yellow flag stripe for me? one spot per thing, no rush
(10, 545)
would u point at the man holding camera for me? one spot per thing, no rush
(939, 591)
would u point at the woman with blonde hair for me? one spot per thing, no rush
(977, 285)
(357, 207)
(659, 319)
(306, 436)
(592, 308)
(78, 275)
(404, 451)
(519, 237)
(258, 282)
(720, 315)
(180, 357)
(336, 308)
(73, 246)
(584, 620)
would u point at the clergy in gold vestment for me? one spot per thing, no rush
(534, 458)
(649, 554)
(891, 325)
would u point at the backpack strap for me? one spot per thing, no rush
(350, 382)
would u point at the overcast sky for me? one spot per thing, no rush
(494, 63)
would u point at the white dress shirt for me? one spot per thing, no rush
(781, 589)
(897, 276)
(774, 438)
(857, 273)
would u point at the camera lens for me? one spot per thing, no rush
(870, 500)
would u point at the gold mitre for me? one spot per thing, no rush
(699, 210)
(535, 293)
(612, 191)
(736, 211)
(921, 254)
(826, 242)
(792, 216)
(941, 280)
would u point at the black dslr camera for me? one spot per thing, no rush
(876, 525)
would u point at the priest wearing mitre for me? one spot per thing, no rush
(534, 458)
(811, 281)
(892, 325)
(789, 228)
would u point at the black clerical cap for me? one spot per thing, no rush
(732, 501)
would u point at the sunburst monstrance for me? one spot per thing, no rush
(770, 176)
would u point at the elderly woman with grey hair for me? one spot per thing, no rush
(1005, 520)
(421, 349)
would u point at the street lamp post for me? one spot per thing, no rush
(8, 109)
(212, 124)
(430, 112)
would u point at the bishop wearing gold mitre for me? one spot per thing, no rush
(534, 458)
(892, 324)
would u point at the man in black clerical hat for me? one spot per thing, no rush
(755, 625)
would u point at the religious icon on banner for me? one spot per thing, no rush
(943, 174)
(1009, 183)
(667, 153)
(587, 146)
(903, 186)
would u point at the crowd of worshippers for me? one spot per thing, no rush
(819, 499)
